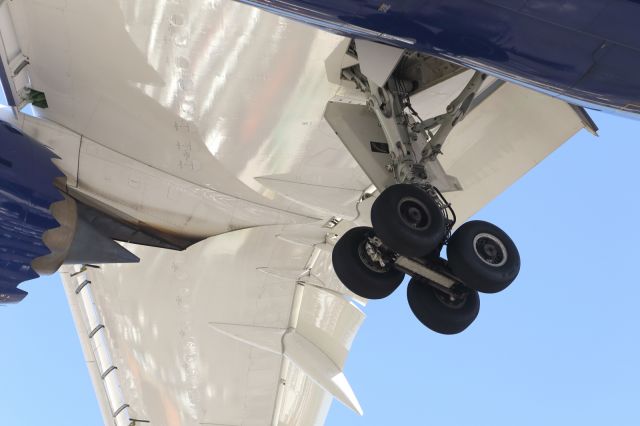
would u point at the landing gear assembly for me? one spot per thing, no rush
(411, 219)
(443, 294)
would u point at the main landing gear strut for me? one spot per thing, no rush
(413, 222)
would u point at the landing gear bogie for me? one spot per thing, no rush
(442, 294)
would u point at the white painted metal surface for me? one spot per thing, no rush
(205, 119)
(184, 330)
(377, 61)
(212, 94)
(502, 139)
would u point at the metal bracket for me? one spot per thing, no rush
(407, 142)
(119, 410)
(444, 123)
(107, 371)
(95, 330)
(82, 285)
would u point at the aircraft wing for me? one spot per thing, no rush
(249, 327)
(206, 118)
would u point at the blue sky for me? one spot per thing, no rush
(560, 346)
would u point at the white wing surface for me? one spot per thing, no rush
(246, 328)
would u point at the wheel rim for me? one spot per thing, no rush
(450, 301)
(414, 213)
(490, 249)
(366, 260)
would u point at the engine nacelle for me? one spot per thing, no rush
(27, 190)
(40, 228)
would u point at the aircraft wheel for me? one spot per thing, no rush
(438, 311)
(408, 220)
(483, 257)
(358, 272)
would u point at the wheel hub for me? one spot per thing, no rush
(414, 213)
(370, 257)
(490, 249)
(450, 300)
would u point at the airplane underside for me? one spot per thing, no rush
(265, 175)
(585, 51)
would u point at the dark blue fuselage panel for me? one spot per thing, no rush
(587, 50)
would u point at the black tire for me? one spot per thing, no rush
(437, 312)
(408, 220)
(364, 280)
(483, 257)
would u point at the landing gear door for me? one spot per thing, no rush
(360, 131)
(358, 128)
